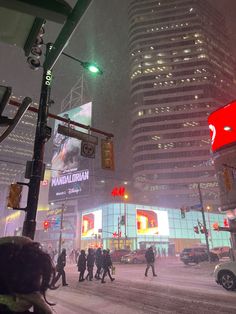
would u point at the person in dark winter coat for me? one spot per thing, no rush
(98, 262)
(90, 264)
(61, 263)
(106, 265)
(150, 258)
(26, 273)
(82, 265)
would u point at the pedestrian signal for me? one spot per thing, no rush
(14, 196)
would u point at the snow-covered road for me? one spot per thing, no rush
(176, 289)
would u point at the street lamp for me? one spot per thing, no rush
(126, 196)
(90, 66)
(42, 135)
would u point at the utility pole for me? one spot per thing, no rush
(43, 133)
(204, 222)
(118, 232)
(61, 228)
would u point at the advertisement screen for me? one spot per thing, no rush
(70, 171)
(222, 125)
(91, 223)
(152, 222)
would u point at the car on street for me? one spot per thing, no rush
(221, 251)
(225, 275)
(197, 255)
(117, 254)
(134, 257)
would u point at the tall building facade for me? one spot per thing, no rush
(181, 70)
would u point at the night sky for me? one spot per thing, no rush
(101, 37)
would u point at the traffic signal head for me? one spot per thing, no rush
(14, 197)
(182, 210)
(196, 230)
(122, 221)
(107, 154)
(215, 226)
(226, 223)
(46, 224)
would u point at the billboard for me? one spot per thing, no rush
(91, 224)
(152, 222)
(222, 125)
(70, 171)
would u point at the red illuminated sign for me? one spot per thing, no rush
(118, 191)
(222, 125)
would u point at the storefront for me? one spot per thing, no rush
(122, 225)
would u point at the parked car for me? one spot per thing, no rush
(117, 254)
(221, 251)
(134, 257)
(225, 275)
(197, 255)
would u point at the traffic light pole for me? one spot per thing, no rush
(61, 229)
(204, 222)
(43, 133)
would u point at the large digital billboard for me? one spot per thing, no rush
(152, 222)
(91, 223)
(222, 125)
(70, 171)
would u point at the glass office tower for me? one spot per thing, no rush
(181, 70)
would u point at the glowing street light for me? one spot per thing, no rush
(90, 66)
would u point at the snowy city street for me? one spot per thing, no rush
(176, 289)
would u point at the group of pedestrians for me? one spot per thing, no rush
(101, 259)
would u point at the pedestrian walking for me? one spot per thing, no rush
(106, 265)
(98, 263)
(150, 258)
(61, 263)
(82, 265)
(90, 264)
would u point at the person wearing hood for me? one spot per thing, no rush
(61, 263)
(81, 265)
(90, 264)
(98, 262)
(26, 273)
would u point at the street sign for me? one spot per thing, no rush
(87, 149)
(68, 131)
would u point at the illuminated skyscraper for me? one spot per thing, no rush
(181, 70)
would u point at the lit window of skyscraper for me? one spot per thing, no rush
(181, 69)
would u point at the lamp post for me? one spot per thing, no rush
(42, 135)
(125, 214)
(204, 222)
